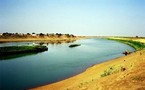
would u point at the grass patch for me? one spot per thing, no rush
(14, 50)
(112, 70)
(135, 44)
(107, 72)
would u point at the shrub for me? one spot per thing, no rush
(107, 72)
(112, 70)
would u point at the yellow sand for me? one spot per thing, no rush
(37, 39)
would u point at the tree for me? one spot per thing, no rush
(5, 34)
(136, 36)
(58, 34)
(41, 35)
(33, 33)
(28, 34)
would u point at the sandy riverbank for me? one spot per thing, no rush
(123, 73)
(38, 39)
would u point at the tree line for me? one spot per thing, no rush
(33, 35)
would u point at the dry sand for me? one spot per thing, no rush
(126, 73)
(38, 39)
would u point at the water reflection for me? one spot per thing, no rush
(44, 42)
(55, 42)
(16, 56)
(58, 63)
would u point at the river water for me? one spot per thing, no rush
(58, 63)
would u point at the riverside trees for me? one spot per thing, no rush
(33, 35)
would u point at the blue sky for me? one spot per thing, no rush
(79, 17)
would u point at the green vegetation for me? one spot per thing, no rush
(13, 50)
(112, 70)
(107, 72)
(135, 44)
(74, 45)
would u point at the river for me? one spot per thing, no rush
(58, 63)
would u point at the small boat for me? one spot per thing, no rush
(127, 52)
(74, 45)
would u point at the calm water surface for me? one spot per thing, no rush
(58, 63)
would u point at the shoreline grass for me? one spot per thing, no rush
(13, 50)
(135, 44)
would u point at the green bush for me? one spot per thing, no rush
(107, 72)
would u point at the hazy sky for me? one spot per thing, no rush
(79, 17)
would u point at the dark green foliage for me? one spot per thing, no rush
(11, 50)
(74, 45)
(41, 35)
